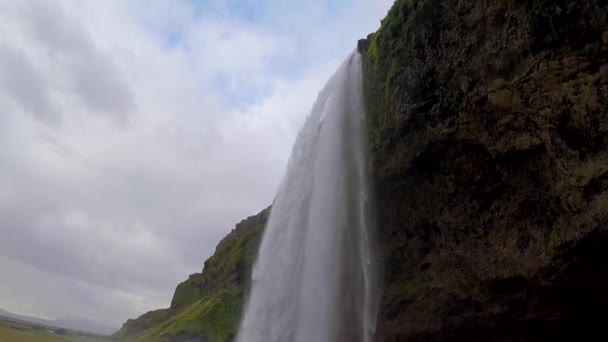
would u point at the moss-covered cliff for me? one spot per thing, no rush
(488, 132)
(207, 306)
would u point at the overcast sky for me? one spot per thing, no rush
(135, 134)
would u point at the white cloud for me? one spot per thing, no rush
(134, 135)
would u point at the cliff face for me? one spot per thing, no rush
(488, 129)
(207, 306)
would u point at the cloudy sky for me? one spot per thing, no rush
(135, 134)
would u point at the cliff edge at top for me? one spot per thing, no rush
(488, 133)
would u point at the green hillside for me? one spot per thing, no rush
(208, 304)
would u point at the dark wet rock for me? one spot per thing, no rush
(488, 124)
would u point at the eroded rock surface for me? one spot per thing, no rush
(488, 124)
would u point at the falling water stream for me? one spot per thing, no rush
(315, 278)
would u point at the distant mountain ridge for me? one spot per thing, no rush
(79, 325)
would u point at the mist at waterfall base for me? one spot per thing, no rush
(315, 278)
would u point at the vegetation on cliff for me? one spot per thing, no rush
(489, 149)
(208, 304)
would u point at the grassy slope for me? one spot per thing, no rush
(215, 317)
(208, 304)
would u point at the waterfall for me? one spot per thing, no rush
(315, 278)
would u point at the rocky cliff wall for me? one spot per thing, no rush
(488, 124)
